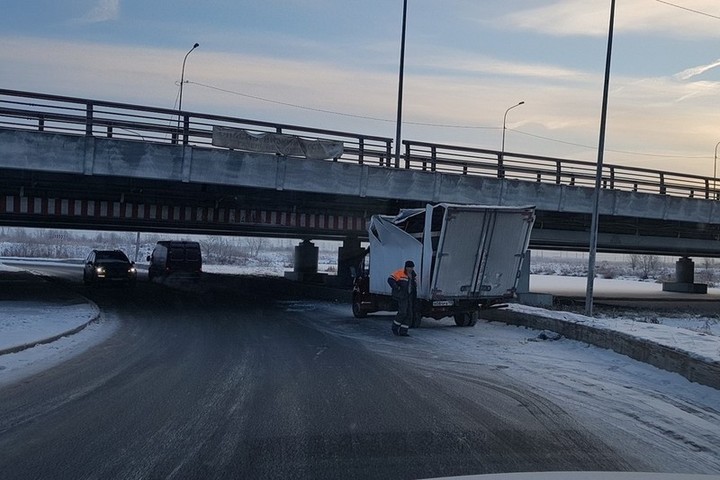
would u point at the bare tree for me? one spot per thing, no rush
(707, 274)
(255, 245)
(634, 261)
(222, 250)
(649, 265)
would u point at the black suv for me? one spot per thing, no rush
(109, 266)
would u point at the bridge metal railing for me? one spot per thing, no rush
(435, 157)
(61, 114)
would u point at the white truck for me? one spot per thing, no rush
(467, 257)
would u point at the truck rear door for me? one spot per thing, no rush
(505, 248)
(480, 251)
(461, 241)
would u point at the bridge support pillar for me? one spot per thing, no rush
(306, 257)
(684, 278)
(305, 264)
(349, 257)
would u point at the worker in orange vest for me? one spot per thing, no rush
(404, 290)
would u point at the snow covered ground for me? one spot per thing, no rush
(662, 418)
(272, 264)
(25, 322)
(15, 366)
(687, 335)
(685, 330)
(608, 288)
(656, 414)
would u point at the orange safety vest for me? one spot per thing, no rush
(406, 287)
(399, 275)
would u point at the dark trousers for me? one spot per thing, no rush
(404, 316)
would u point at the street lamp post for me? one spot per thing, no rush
(599, 169)
(182, 81)
(501, 172)
(400, 87)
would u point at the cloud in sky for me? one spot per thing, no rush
(460, 63)
(643, 111)
(571, 17)
(689, 73)
(102, 11)
(456, 73)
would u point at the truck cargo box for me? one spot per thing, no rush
(466, 256)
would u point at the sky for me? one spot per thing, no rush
(334, 65)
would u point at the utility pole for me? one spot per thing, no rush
(400, 86)
(598, 173)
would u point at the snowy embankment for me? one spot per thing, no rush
(25, 323)
(617, 288)
(679, 335)
(635, 319)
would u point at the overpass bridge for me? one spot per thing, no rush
(78, 163)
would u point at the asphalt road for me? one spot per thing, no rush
(222, 385)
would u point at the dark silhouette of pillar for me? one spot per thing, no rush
(684, 278)
(306, 257)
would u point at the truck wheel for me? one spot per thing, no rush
(460, 320)
(466, 319)
(417, 320)
(357, 310)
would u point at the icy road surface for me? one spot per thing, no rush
(232, 383)
(660, 417)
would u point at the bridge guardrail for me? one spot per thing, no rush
(61, 114)
(476, 161)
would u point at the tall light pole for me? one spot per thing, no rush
(501, 172)
(400, 86)
(598, 172)
(182, 81)
(715, 195)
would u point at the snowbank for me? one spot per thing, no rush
(7, 268)
(26, 323)
(698, 345)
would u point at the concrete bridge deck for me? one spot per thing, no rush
(107, 165)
